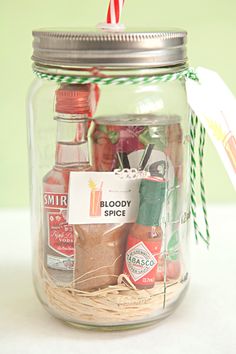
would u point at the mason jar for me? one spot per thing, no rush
(108, 124)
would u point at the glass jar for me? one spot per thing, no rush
(110, 189)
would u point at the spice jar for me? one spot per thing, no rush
(110, 190)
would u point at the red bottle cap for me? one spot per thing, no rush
(77, 99)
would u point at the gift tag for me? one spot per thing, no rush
(215, 106)
(104, 197)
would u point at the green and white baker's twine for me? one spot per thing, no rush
(203, 198)
(193, 130)
(132, 80)
(136, 80)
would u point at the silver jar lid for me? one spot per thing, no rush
(71, 48)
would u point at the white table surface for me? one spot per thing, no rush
(204, 323)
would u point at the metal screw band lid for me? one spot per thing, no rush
(109, 49)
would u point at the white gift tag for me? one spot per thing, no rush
(215, 106)
(103, 197)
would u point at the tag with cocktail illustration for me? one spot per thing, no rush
(104, 197)
(215, 106)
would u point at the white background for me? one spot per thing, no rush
(204, 323)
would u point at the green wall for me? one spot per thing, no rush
(212, 31)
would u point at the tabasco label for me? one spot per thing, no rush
(141, 261)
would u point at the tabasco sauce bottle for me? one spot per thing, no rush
(74, 104)
(145, 237)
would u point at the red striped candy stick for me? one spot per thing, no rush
(114, 11)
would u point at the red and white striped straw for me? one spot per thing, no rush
(114, 11)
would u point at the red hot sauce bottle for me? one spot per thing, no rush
(145, 237)
(74, 104)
